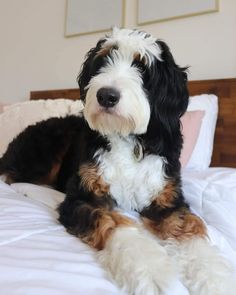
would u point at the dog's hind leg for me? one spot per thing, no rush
(37, 153)
(129, 253)
(203, 270)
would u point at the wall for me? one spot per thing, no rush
(34, 54)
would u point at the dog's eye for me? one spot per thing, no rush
(98, 62)
(107, 50)
(140, 65)
(115, 47)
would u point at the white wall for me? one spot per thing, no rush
(34, 54)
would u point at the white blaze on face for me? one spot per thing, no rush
(132, 113)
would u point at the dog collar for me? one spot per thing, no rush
(138, 151)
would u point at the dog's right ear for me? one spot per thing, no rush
(89, 68)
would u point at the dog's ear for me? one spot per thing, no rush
(168, 94)
(89, 68)
(171, 84)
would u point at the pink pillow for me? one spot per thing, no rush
(191, 125)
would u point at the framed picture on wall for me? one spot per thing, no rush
(91, 16)
(150, 11)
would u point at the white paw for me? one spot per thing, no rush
(203, 270)
(136, 262)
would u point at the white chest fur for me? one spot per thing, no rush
(133, 183)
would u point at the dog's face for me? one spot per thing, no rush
(121, 80)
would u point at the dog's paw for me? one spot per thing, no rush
(203, 270)
(137, 263)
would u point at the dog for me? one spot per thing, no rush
(122, 154)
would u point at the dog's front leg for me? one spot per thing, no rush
(87, 211)
(137, 262)
(202, 269)
(131, 256)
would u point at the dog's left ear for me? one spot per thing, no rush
(170, 83)
(166, 84)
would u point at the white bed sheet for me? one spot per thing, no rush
(37, 256)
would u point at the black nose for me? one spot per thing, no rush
(108, 97)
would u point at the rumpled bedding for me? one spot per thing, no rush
(37, 255)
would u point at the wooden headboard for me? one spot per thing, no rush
(224, 153)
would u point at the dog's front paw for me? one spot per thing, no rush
(136, 262)
(203, 270)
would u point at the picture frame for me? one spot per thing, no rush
(92, 16)
(152, 11)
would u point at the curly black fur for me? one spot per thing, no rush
(33, 153)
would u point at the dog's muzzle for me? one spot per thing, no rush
(108, 97)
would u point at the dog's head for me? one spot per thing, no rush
(129, 79)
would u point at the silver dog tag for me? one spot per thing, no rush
(138, 152)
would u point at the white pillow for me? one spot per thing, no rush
(202, 152)
(18, 116)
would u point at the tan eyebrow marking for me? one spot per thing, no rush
(107, 49)
(143, 59)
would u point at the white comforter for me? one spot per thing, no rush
(37, 256)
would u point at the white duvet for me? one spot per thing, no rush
(37, 256)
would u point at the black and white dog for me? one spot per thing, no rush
(123, 154)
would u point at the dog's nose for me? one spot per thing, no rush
(108, 97)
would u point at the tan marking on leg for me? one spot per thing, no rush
(180, 225)
(9, 180)
(104, 228)
(167, 196)
(92, 181)
(51, 178)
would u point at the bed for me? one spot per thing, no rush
(38, 256)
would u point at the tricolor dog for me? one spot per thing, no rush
(122, 155)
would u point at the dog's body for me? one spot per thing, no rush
(124, 153)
